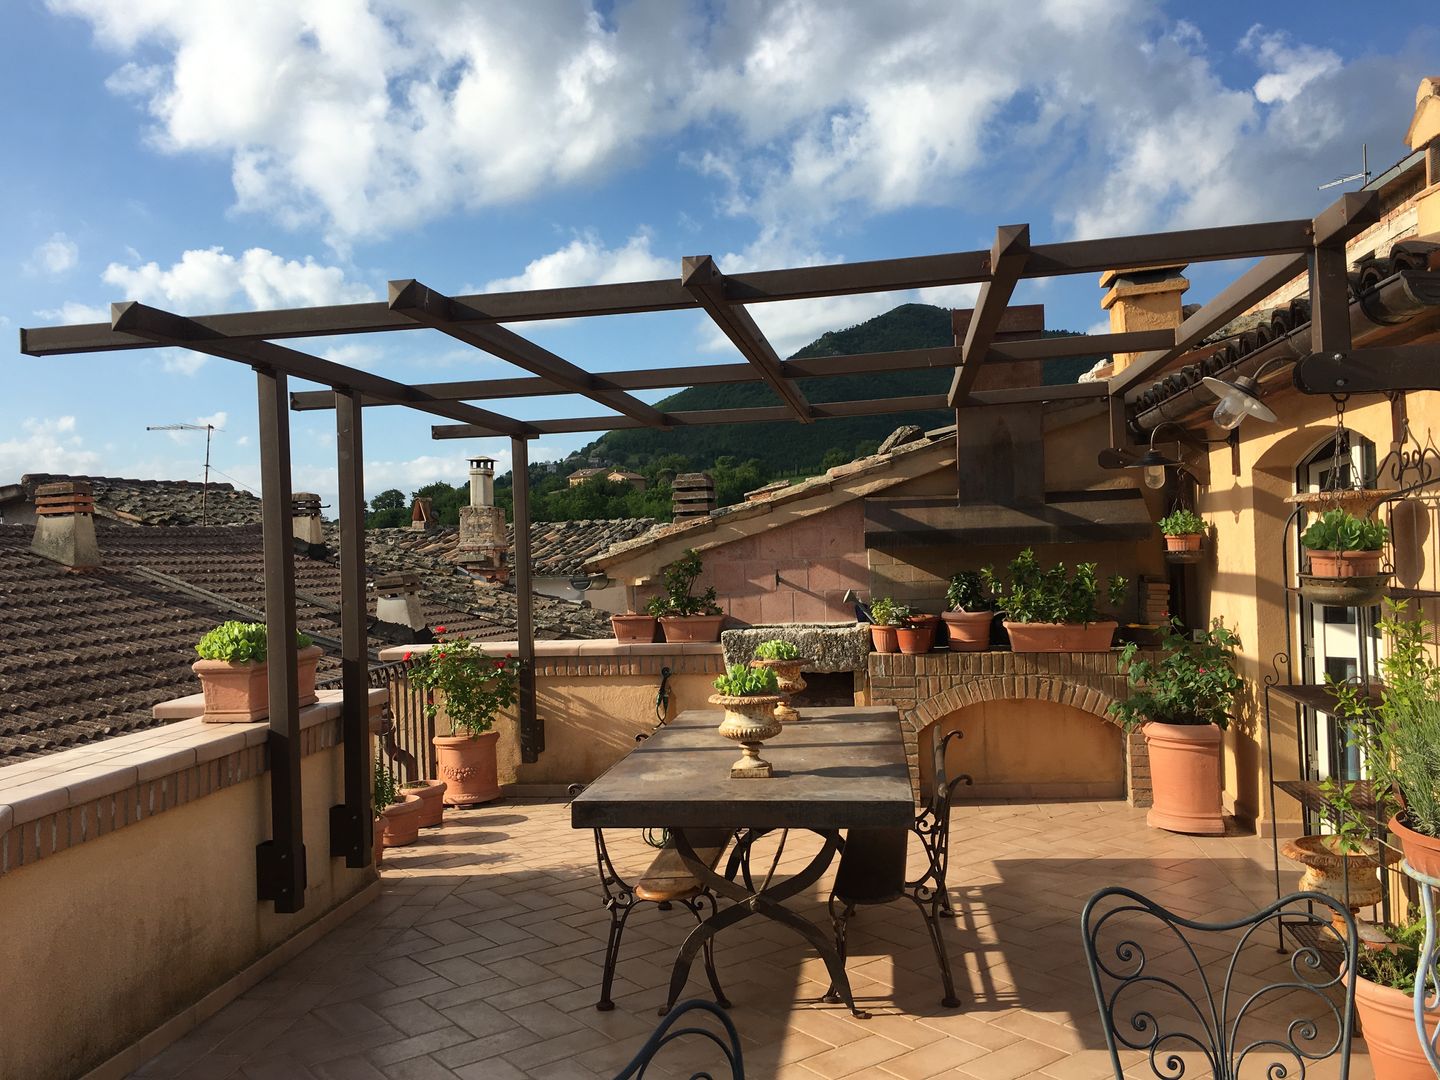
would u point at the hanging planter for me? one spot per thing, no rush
(1345, 556)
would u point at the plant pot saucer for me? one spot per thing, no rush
(1344, 592)
(1354, 501)
(1195, 556)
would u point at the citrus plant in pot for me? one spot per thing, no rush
(1182, 702)
(234, 672)
(398, 819)
(1184, 532)
(886, 616)
(683, 615)
(1345, 554)
(970, 614)
(1053, 610)
(748, 696)
(783, 658)
(474, 689)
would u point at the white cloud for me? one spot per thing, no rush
(46, 444)
(54, 257)
(180, 361)
(72, 312)
(586, 261)
(208, 279)
(1293, 67)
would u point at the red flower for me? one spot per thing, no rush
(408, 655)
(439, 629)
(440, 655)
(499, 665)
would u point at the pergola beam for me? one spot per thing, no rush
(440, 312)
(1008, 256)
(704, 281)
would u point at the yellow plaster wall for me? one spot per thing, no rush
(110, 938)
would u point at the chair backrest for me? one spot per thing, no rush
(1272, 1013)
(662, 1036)
(942, 788)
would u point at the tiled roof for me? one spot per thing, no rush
(557, 548)
(160, 502)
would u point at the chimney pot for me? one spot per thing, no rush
(398, 600)
(309, 527)
(483, 543)
(692, 496)
(65, 524)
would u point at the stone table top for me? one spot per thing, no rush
(835, 768)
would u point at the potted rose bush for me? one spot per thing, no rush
(1053, 610)
(474, 688)
(684, 616)
(970, 614)
(1182, 704)
(234, 672)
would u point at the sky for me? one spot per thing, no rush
(228, 155)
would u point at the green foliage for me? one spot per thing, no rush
(241, 642)
(775, 649)
(967, 592)
(477, 687)
(386, 789)
(1335, 530)
(1395, 967)
(1054, 595)
(388, 510)
(1352, 832)
(885, 612)
(1182, 522)
(743, 681)
(1193, 683)
(680, 578)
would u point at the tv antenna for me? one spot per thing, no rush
(1362, 175)
(209, 430)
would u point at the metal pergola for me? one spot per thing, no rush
(1284, 248)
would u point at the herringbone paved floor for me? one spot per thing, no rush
(482, 958)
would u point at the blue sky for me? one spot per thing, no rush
(219, 156)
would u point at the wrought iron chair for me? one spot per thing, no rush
(872, 866)
(1149, 955)
(662, 1036)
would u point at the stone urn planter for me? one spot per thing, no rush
(1040, 637)
(700, 628)
(402, 822)
(431, 794)
(1349, 878)
(1185, 772)
(968, 631)
(467, 765)
(749, 721)
(1387, 1023)
(1421, 852)
(790, 679)
(239, 693)
(633, 629)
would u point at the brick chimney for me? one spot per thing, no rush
(65, 524)
(1142, 300)
(397, 600)
(483, 543)
(692, 495)
(308, 525)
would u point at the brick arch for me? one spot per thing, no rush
(1023, 687)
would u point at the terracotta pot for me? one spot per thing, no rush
(1349, 878)
(378, 846)
(968, 631)
(1187, 542)
(1060, 637)
(749, 721)
(692, 627)
(915, 638)
(883, 638)
(633, 629)
(431, 794)
(1421, 852)
(1185, 775)
(1387, 1022)
(1344, 564)
(467, 765)
(240, 693)
(402, 821)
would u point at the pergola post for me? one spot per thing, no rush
(352, 822)
(532, 728)
(280, 861)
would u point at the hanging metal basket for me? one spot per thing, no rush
(1344, 592)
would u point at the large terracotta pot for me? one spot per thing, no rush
(1035, 637)
(1344, 564)
(692, 627)
(1185, 775)
(402, 821)
(968, 631)
(240, 693)
(1186, 542)
(1387, 1022)
(633, 629)
(749, 721)
(467, 765)
(917, 637)
(431, 794)
(883, 638)
(1421, 852)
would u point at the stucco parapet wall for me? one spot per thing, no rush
(605, 656)
(73, 796)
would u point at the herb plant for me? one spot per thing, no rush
(680, 578)
(385, 790)
(1032, 595)
(476, 686)
(1193, 683)
(241, 642)
(967, 593)
(776, 649)
(742, 681)
(1395, 967)
(1352, 834)
(1182, 522)
(885, 612)
(1336, 530)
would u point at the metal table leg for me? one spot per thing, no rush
(765, 902)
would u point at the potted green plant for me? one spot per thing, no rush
(474, 688)
(970, 614)
(748, 696)
(916, 632)
(634, 628)
(1184, 532)
(1385, 1004)
(1053, 610)
(431, 794)
(683, 615)
(885, 619)
(398, 818)
(1182, 702)
(783, 658)
(1345, 554)
(234, 673)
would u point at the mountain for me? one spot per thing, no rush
(786, 447)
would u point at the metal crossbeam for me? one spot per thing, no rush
(1008, 256)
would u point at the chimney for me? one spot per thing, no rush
(1142, 300)
(308, 525)
(692, 496)
(422, 514)
(483, 543)
(398, 600)
(65, 524)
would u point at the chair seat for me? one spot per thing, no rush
(668, 879)
(872, 867)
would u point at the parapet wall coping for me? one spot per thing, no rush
(566, 649)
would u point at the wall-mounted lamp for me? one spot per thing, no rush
(1240, 396)
(1153, 463)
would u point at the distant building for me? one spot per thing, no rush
(619, 476)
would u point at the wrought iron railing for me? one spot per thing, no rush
(407, 742)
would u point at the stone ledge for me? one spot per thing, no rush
(578, 659)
